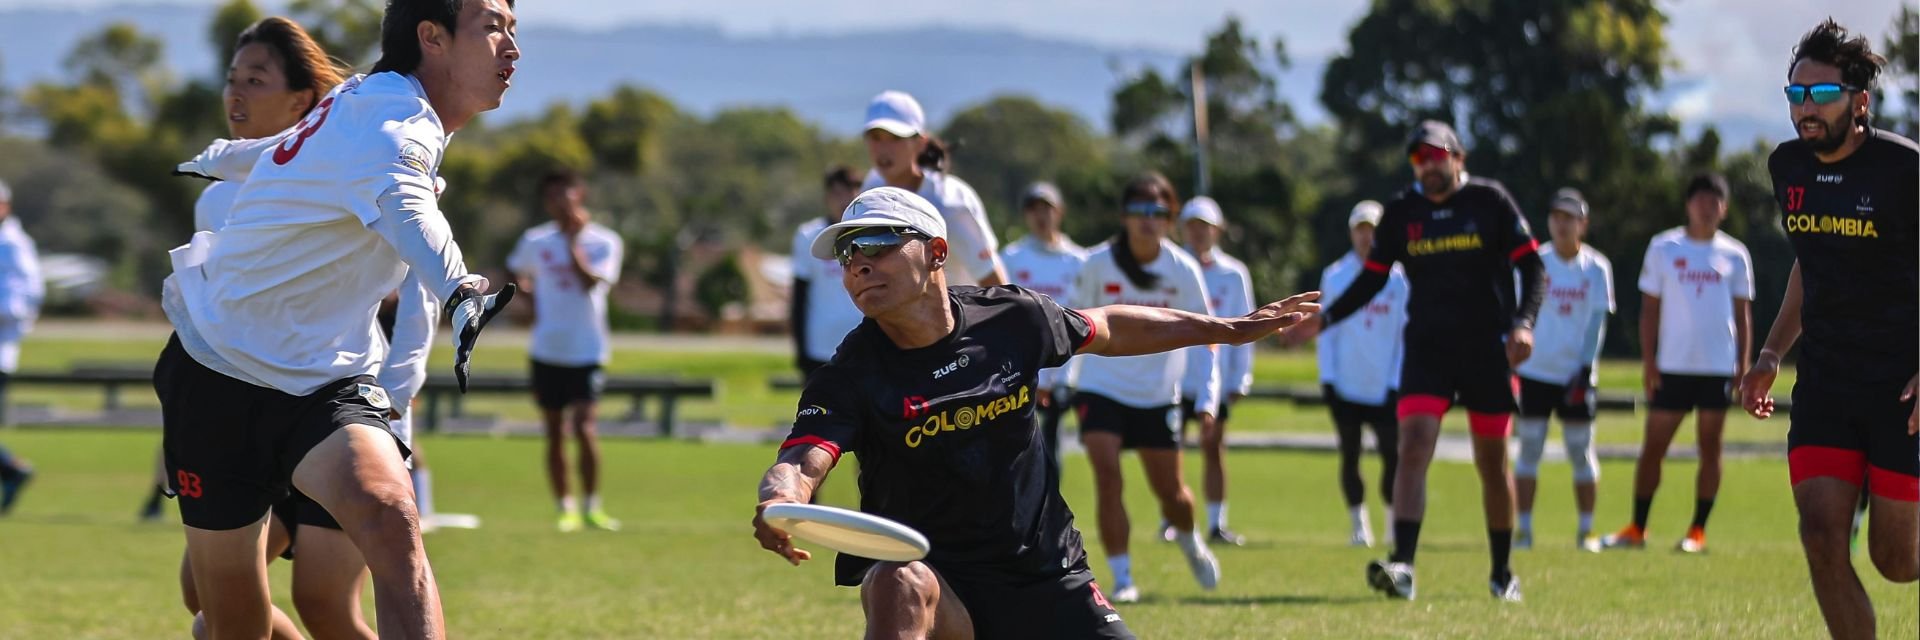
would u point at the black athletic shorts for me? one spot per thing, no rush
(1349, 412)
(1469, 371)
(1853, 434)
(1681, 392)
(1068, 607)
(1221, 411)
(298, 510)
(1545, 399)
(555, 386)
(231, 447)
(1154, 428)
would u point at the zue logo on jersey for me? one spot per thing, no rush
(951, 367)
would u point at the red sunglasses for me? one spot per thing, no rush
(1425, 153)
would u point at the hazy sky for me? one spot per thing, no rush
(1730, 53)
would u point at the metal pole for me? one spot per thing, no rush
(1202, 180)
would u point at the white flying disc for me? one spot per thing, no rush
(852, 532)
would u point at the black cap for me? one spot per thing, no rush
(1712, 182)
(1435, 133)
(1570, 201)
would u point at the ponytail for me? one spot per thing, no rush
(1123, 257)
(934, 156)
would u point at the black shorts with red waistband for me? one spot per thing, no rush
(1469, 371)
(1855, 434)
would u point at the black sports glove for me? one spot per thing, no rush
(1579, 386)
(470, 312)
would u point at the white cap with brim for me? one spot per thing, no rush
(1367, 212)
(882, 207)
(1204, 209)
(897, 113)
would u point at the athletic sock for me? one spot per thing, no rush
(566, 505)
(1586, 522)
(1526, 521)
(1122, 568)
(1217, 514)
(1502, 542)
(593, 502)
(1389, 513)
(1641, 505)
(1701, 509)
(1406, 540)
(422, 491)
(1358, 515)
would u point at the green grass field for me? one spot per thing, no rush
(77, 566)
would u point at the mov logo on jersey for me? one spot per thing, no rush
(1831, 225)
(967, 416)
(1444, 244)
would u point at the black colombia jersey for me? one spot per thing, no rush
(1459, 257)
(946, 434)
(1852, 224)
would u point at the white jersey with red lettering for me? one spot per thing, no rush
(1147, 381)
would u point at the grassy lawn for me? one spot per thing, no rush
(78, 566)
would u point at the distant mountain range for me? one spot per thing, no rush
(826, 79)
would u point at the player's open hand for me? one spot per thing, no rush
(1519, 346)
(471, 310)
(1756, 388)
(775, 540)
(1293, 311)
(1913, 417)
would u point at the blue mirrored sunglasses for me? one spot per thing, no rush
(871, 243)
(1147, 209)
(1822, 93)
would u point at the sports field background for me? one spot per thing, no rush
(77, 565)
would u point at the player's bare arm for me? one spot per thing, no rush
(1757, 385)
(1126, 330)
(793, 478)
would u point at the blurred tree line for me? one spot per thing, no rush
(1546, 93)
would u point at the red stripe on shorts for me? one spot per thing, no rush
(1892, 485)
(1808, 462)
(1490, 425)
(1423, 405)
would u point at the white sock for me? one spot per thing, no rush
(1217, 514)
(422, 491)
(593, 502)
(1526, 521)
(566, 505)
(1357, 514)
(1122, 567)
(1190, 541)
(1586, 522)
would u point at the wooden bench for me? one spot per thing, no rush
(444, 392)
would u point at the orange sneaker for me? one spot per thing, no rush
(1630, 537)
(1695, 542)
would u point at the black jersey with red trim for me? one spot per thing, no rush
(1459, 255)
(1852, 224)
(947, 437)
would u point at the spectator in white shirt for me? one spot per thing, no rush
(819, 311)
(569, 265)
(1047, 261)
(21, 290)
(1229, 295)
(906, 155)
(1360, 372)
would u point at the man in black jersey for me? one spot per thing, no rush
(935, 392)
(1460, 240)
(1847, 193)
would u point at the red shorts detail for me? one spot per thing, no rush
(1375, 267)
(1808, 462)
(1092, 329)
(1423, 405)
(1490, 425)
(815, 441)
(1892, 485)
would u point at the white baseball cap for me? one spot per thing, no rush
(882, 207)
(897, 113)
(1367, 212)
(1204, 209)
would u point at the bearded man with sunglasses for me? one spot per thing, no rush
(935, 392)
(1847, 193)
(1460, 240)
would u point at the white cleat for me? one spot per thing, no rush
(1395, 579)
(1509, 592)
(1360, 538)
(1206, 569)
(1127, 594)
(1523, 539)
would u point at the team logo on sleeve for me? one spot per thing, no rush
(415, 156)
(813, 410)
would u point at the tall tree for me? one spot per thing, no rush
(231, 19)
(1007, 142)
(346, 28)
(1903, 72)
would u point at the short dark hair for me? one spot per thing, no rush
(399, 42)
(1853, 53)
(840, 176)
(1710, 182)
(562, 178)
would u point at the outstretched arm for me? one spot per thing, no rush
(1127, 330)
(793, 478)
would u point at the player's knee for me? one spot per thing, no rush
(1586, 469)
(385, 510)
(1533, 442)
(889, 580)
(1897, 562)
(1820, 534)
